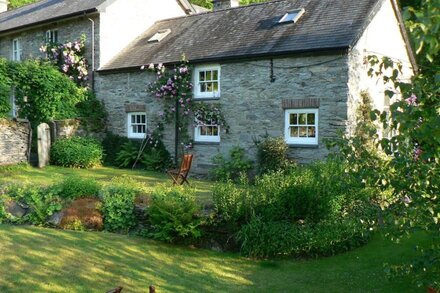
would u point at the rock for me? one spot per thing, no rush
(16, 209)
(215, 246)
(56, 218)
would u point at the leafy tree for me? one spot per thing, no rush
(18, 3)
(412, 169)
(42, 92)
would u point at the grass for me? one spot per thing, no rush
(34, 259)
(25, 174)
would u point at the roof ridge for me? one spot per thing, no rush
(225, 9)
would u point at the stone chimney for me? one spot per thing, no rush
(3, 5)
(222, 4)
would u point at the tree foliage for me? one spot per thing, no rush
(412, 169)
(41, 92)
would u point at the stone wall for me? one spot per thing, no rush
(71, 127)
(32, 39)
(14, 142)
(252, 104)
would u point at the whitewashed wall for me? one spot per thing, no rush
(382, 37)
(124, 20)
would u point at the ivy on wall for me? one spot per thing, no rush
(42, 93)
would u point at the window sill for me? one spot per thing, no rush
(206, 143)
(303, 146)
(206, 99)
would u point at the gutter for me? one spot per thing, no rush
(326, 51)
(93, 53)
(405, 36)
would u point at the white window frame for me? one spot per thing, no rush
(198, 137)
(206, 95)
(130, 133)
(50, 36)
(17, 50)
(301, 140)
(159, 36)
(292, 16)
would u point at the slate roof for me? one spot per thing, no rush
(251, 31)
(44, 11)
(51, 10)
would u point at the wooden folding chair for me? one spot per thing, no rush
(180, 176)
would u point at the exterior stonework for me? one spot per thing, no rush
(251, 103)
(14, 142)
(69, 30)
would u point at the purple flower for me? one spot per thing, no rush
(407, 199)
(417, 153)
(412, 101)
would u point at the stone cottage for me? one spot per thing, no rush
(290, 68)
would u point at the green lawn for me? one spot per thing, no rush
(51, 174)
(35, 259)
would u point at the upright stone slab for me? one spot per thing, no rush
(43, 131)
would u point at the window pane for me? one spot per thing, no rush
(202, 130)
(215, 86)
(303, 119)
(134, 129)
(302, 131)
(311, 119)
(143, 129)
(208, 75)
(133, 119)
(202, 76)
(203, 87)
(209, 87)
(215, 131)
(293, 119)
(143, 119)
(215, 75)
(293, 131)
(209, 130)
(312, 131)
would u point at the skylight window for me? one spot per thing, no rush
(159, 36)
(292, 16)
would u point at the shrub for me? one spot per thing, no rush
(41, 201)
(76, 152)
(92, 113)
(118, 203)
(231, 168)
(272, 155)
(75, 186)
(112, 144)
(3, 213)
(265, 239)
(308, 207)
(174, 214)
(154, 155)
